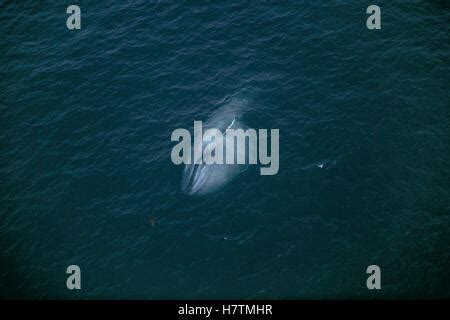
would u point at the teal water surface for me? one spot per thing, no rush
(86, 175)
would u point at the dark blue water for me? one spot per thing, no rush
(86, 175)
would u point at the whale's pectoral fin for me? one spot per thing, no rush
(232, 123)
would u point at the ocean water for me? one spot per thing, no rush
(86, 175)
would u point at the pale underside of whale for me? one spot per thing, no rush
(200, 179)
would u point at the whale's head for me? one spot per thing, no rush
(201, 178)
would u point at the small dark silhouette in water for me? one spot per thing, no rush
(152, 221)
